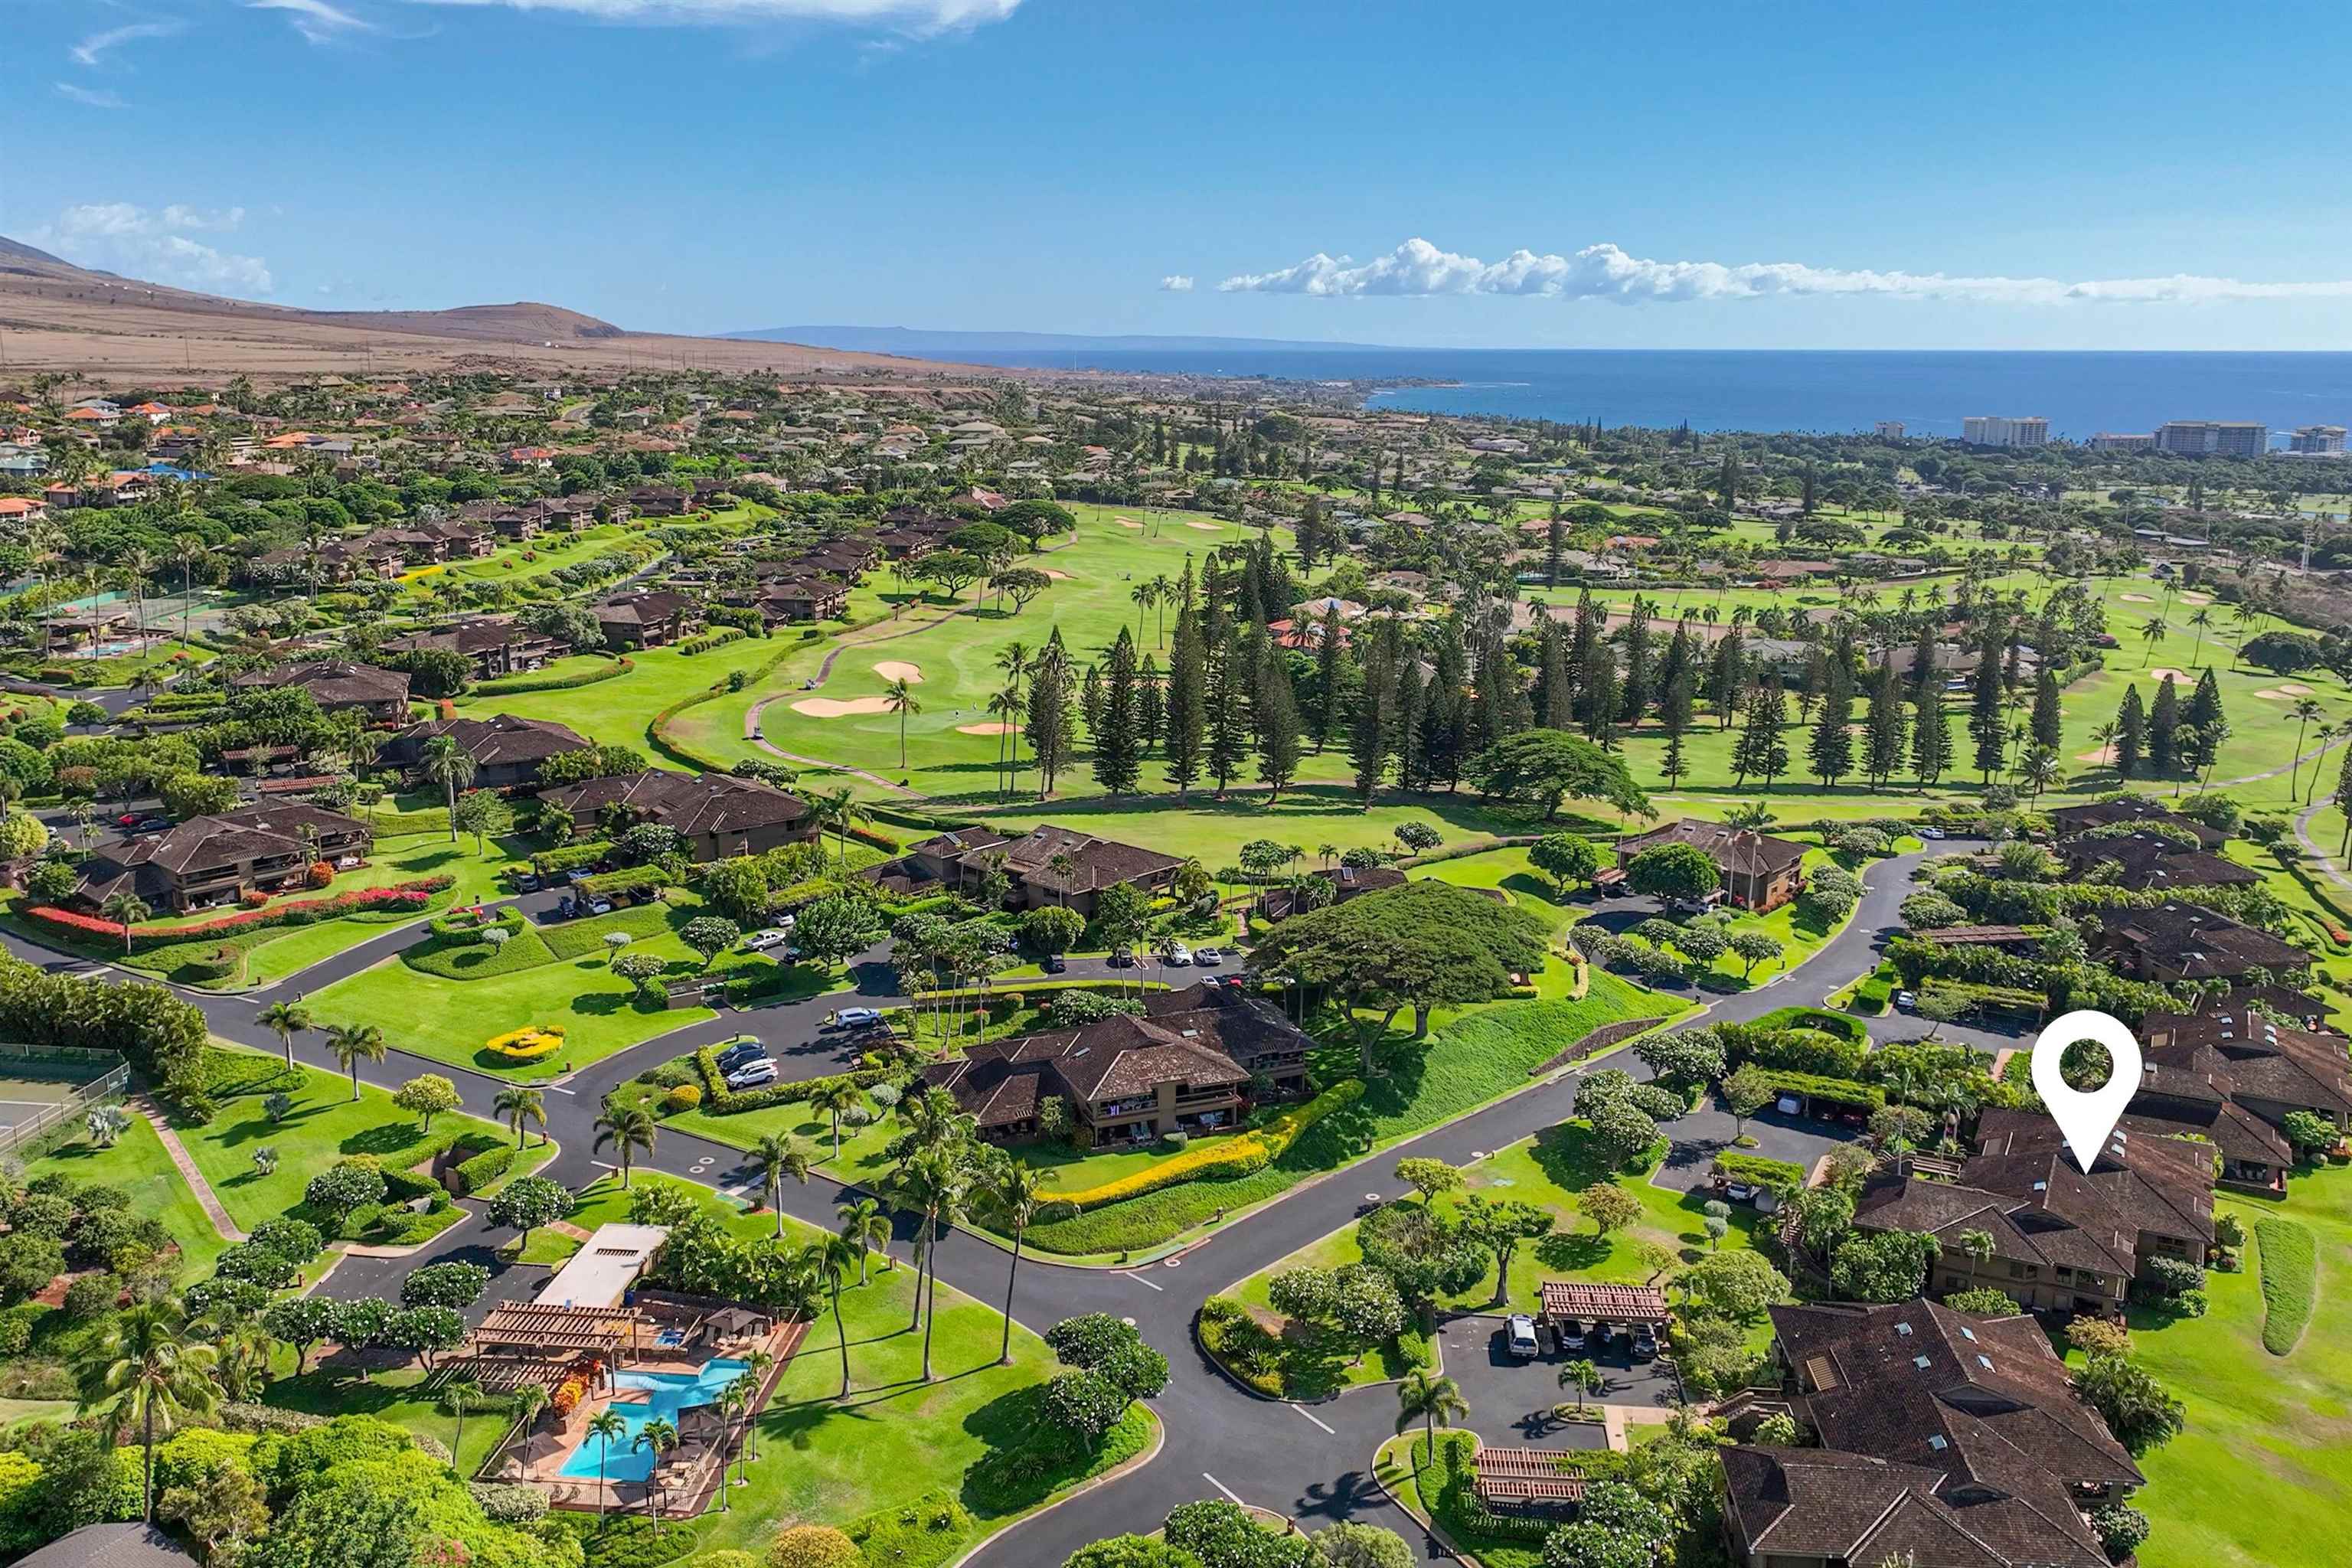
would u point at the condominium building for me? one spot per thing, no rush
(1995, 430)
(2318, 440)
(1890, 429)
(2112, 441)
(2213, 438)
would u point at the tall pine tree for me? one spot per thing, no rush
(1763, 749)
(1330, 677)
(1830, 753)
(1985, 725)
(1187, 692)
(1675, 717)
(1633, 693)
(1053, 725)
(1232, 674)
(1730, 677)
(2048, 725)
(1119, 734)
(1886, 726)
(2164, 728)
(1151, 703)
(1931, 738)
(1369, 739)
(2131, 733)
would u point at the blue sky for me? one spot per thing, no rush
(1731, 175)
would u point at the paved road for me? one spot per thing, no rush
(1308, 1462)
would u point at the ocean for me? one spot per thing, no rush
(1832, 391)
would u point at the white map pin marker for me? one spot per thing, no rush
(2086, 1118)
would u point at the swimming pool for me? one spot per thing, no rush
(666, 1394)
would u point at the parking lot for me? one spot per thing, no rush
(1511, 1399)
(1708, 1131)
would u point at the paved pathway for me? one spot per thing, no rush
(1312, 1464)
(2321, 856)
(187, 1167)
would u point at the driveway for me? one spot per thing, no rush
(1708, 1131)
(1511, 1399)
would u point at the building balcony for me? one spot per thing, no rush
(1137, 1105)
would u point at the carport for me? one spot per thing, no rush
(1618, 1306)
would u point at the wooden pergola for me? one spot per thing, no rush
(1526, 1480)
(1567, 1298)
(611, 1332)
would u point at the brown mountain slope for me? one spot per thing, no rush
(55, 315)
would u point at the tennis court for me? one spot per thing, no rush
(36, 1084)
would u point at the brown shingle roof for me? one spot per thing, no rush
(694, 803)
(333, 682)
(1741, 851)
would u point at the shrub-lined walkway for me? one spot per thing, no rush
(153, 1114)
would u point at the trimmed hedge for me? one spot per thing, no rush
(300, 913)
(509, 686)
(1843, 1090)
(582, 939)
(1781, 1178)
(471, 1176)
(721, 1100)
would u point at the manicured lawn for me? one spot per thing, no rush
(400, 1397)
(2262, 1476)
(616, 712)
(324, 1126)
(2289, 1256)
(138, 1164)
(448, 1020)
(897, 1438)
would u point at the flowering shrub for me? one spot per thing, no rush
(321, 873)
(253, 898)
(684, 1097)
(567, 1398)
(300, 911)
(527, 1045)
(1238, 1155)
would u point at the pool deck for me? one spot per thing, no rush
(688, 1474)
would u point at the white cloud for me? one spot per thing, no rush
(315, 19)
(153, 244)
(1606, 272)
(913, 16)
(91, 50)
(90, 97)
(1176, 283)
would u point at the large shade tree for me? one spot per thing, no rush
(1424, 944)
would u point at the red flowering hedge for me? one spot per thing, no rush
(301, 911)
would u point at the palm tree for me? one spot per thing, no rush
(2304, 712)
(2246, 615)
(899, 697)
(661, 1437)
(284, 1020)
(1145, 595)
(1582, 1376)
(529, 1401)
(1064, 867)
(2105, 735)
(604, 1425)
(126, 910)
(627, 1128)
(2152, 632)
(461, 1394)
(447, 763)
(1163, 594)
(1433, 1401)
(837, 812)
(2203, 621)
(350, 1043)
(828, 1262)
(864, 1223)
(756, 1366)
(188, 549)
(1755, 815)
(146, 1371)
(1017, 1190)
(137, 566)
(734, 1401)
(779, 1155)
(933, 1182)
(2325, 735)
(835, 1098)
(517, 1106)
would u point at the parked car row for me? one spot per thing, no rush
(747, 1065)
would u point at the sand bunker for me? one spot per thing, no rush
(2294, 689)
(896, 669)
(2137, 599)
(990, 728)
(2099, 758)
(1205, 527)
(1127, 522)
(1058, 576)
(2163, 673)
(836, 707)
(2196, 598)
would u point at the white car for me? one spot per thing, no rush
(1178, 955)
(762, 941)
(1904, 1001)
(752, 1076)
(1790, 1105)
(1931, 833)
(857, 1017)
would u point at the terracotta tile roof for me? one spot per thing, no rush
(1616, 1303)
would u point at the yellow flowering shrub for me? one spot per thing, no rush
(1237, 1155)
(527, 1045)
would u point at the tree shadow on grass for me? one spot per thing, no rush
(256, 1128)
(389, 1138)
(1573, 1251)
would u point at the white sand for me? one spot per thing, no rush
(2196, 598)
(1127, 522)
(2294, 689)
(2272, 694)
(2103, 755)
(1058, 576)
(897, 669)
(2137, 599)
(1205, 527)
(834, 708)
(2161, 671)
(988, 729)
